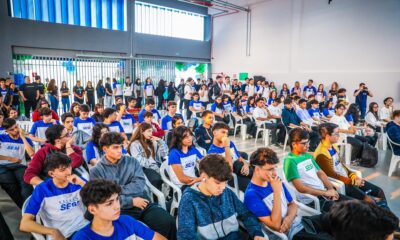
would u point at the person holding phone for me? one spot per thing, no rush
(361, 94)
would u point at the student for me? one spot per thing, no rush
(79, 92)
(149, 107)
(309, 89)
(296, 89)
(98, 113)
(127, 89)
(320, 95)
(327, 157)
(284, 91)
(14, 145)
(387, 110)
(56, 201)
(13, 113)
(356, 220)
(40, 86)
(89, 93)
(315, 113)
(149, 151)
(372, 118)
(126, 120)
(203, 132)
(303, 114)
(195, 106)
(226, 103)
(93, 151)
(361, 94)
(157, 131)
(29, 94)
(67, 120)
(393, 131)
(188, 91)
(209, 210)
(2, 130)
(328, 110)
(75, 109)
(223, 146)
(65, 93)
(148, 88)
(37, 132)
(263, 120)
(176, 122)
(133, 109)
(127, 173)
(219, 111)
(166, 122)
(268, 199)
(117, 88)
(84, 123)
(110, 120)
(239, 112)
(41, 104)
(109, 93)
(100, 92)
(58, 140)
(304, 173)
(101, 198)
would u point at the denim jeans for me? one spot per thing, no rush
(66, 104)
(108, 101)
(53, 103)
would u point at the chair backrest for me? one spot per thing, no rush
(392, 143)
(36, 236)
(25, 125)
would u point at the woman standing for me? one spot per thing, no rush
(52, 91)
(171, 91)
(297, 89)
(159, 93)
(89, 91)
(100, 92)
(203, 92)
(321, 94)
(137, 91)
(128, 89)
(285, 91)
(15, 95)
(65, 96)
(148, 88)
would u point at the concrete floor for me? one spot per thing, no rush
(376, 175)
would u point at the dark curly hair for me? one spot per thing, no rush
(97, 191)
(263, 156)
(217, 167)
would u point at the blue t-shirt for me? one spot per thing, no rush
(328, 112)
(2, 131)
(60, 208)
(166, 122)
(127, 122)
(361, 99)
(221, 151)
(84, 125)
(125, 227)
(215, 109)
(148, 89)
(115, 127)
(13, 148)
(270, 101)
(186, 160)
(309, 90)
(227, 106)
(39, 128)
(249, 109)
(196, 104)
(349, 118)
(156, 115)
(242, 110)
(314, 112)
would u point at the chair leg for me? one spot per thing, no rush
(393, 165)
(285, 143)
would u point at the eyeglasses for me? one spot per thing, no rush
(270, 170)
(307, 143)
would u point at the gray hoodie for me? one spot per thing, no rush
(127, 173)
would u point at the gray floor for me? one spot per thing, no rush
(377, 175)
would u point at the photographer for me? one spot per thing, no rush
(361, 95)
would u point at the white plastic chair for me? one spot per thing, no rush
(36, 236)
(177, 192)
(239, 124)
(154, 191)
(265, 132)
(286, 135)
(395, 160)
(25, 125)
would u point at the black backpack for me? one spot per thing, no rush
(369, 156)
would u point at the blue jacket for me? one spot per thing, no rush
(290, 116)
(202, 136)
(393, 131)
(216, 217)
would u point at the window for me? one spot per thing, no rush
(106, 14)
(170, 22)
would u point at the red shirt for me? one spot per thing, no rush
(157, 131)
(37, 117)
(134, 112)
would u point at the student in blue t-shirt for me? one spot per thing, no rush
(14, 145)
(183, 157)
(328, 110)
(37, 132)
(149, 107)
(223, 146)
(101, 197)
(148, 88)
(93, 152)
(195, 105)
(270, 201)
(127, 120)
(110, 120)
(309, 89)
(56, 201)
(84, 123)
(314, 112)
(166, 122)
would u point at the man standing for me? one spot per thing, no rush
(40, 86)
(361, 94)
(29, 94)
(109, 93)
(79, 92)
(309, 89)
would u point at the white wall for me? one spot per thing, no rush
(348, 41)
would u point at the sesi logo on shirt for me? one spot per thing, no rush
(69, 203)
(309, 167)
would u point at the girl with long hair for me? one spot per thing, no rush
(65, 93)
(41, 104)
(93, 150)
(52, 91)
(89, 92)
(75, 109)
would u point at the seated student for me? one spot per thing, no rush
(357, 220)
(305, 174)
(195, 106)
(250, 105)
(43, 103)
(13, 147)
(58, 140)
(183, 157)
(166, 122)
(268, 198)
(387, 110)
(176, 122)
(37, 132)
(110, 119)
(226, 103)
(98, 112)
(263, 120)
(209, 210)
(101, 198)
(157, 131)
(327, 157)
(393, 131)
(93, 152)
(292, 121)
(132, 108)
(84, 123)
(2, 130)
(239, 112)
(219, 111)
(149, 107)
(372, 118)
(75, 109)
(13, 113)
(223, 146)
(149, 151)
(203, 132)
(328, 110)
(118, 100)
(56, 201)
(314, 112)
(67, 120)
(126, 120)
(342, 95)
(128, 174)
(303, 114)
